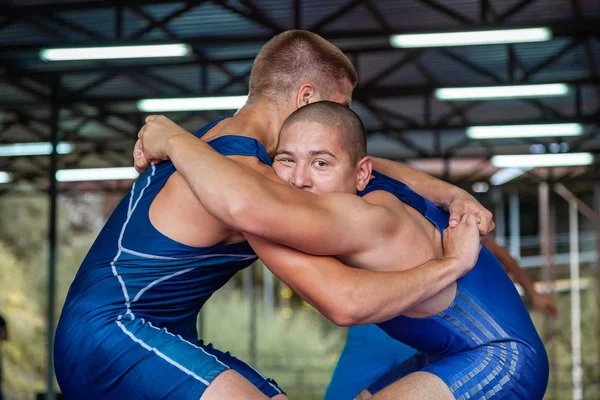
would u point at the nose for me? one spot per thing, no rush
(300, 178)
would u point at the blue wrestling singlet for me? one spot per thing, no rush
(484, 345)
(128, 326)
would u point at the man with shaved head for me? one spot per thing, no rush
(469, 343)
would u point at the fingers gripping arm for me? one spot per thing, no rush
(349, 296)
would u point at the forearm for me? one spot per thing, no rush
(519, 276)
(510, 265)
(349, 296)
(246, 201)
(435, 190)
(386, 295)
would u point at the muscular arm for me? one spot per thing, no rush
(349, 296)
(244, 200)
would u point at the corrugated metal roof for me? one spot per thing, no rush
(372, 55)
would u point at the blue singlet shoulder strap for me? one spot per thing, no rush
(232, 145)
(383, 182)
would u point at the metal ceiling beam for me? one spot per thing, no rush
(584, 28)
(75, 27)
(447, 11)
(161, 22)
(251, 13)
(16, 11)
(361, 91)
(515, 9)
(386, 27)
(333, 16)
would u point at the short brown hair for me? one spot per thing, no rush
(295, 57)
(346, 123)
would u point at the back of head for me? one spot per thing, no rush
(295, 57)
(342, 121)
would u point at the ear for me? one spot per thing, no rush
(363, 173)
(305, 95)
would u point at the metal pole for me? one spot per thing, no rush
(545, 250)
(597, 266)
(52, 236)
(515, 226)
(247, 282)
(551, 323)
(544, 227)
(575, 301)
(499, 217)
(268, 292)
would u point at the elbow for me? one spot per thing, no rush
(238, 214)
(347, 313)
(343, 320)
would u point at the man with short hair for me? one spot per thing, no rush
(128, 327)
(469, 343)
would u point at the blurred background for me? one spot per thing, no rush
(451, 105)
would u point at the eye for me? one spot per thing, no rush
(320, 163)
(284, 159)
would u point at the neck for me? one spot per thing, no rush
(259, 121)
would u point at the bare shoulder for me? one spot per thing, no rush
(258, 166)
(383, 199)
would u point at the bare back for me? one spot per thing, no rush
(417, 242)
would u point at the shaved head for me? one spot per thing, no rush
(343, 122)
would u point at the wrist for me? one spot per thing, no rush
(530, 292)
(455, 194)
(454, 266)
(172, 144)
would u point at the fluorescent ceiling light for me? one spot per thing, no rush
(471, 38)
(5, 177)
(96, 174)
(34, 149)
(543, 160)
(507, 174)
(193, 103)
(502, 92)
(114, 52)
(481, 187)
(523, 131)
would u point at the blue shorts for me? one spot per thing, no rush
(507, 370)
(133, 359)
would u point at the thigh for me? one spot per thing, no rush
(411, 365)
(267, 386)
(416, 386)
(231, 385)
